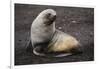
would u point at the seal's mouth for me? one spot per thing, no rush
(53, 18)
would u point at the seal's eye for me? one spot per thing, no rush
(48, 14)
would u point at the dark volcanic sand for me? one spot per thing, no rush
(79, 22)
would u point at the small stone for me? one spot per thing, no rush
(73, 21)
(59, 27)
(63, 20)
(20, 40)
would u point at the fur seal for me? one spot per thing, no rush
(47, 40)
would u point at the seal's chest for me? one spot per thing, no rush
(41, 33)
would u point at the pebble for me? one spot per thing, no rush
(73, 21)
(59, 27)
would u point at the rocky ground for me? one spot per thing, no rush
(78, 22)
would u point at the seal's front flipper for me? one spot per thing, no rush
(29, 47)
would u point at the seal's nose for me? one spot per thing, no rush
(54, 17)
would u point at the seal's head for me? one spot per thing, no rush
(48, 16)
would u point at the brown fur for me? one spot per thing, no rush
(63, 43)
